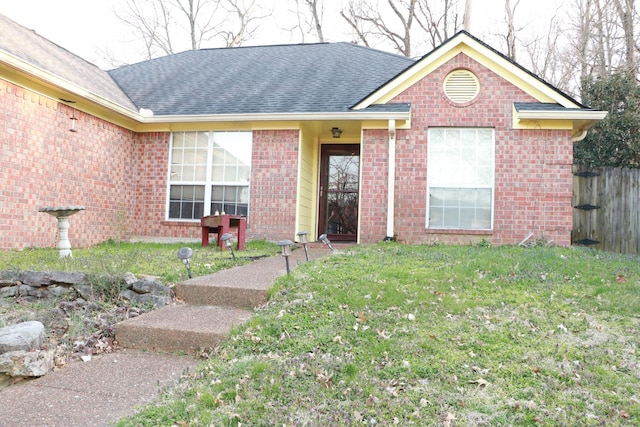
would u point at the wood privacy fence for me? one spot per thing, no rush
(606, 212)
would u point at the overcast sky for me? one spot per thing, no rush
(90, 27)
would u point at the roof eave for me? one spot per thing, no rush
(63, 86)
(275, 117)
(562, 115)
(582, 120)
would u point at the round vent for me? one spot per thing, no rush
(461, 86)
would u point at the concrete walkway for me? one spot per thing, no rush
(113, 386)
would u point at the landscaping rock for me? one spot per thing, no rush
(26, 363)
(8, 291)
(149, 285)
(67, 278)
(23, 336)
(150, 299)
(85, 291)
(129, 279)
(8, 278)
(34, 279)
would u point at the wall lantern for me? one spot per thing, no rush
(336, 132)
(302, 237)
(285, 247)
(323, 238)
(73, 121)
(226, 238)
(184, 254)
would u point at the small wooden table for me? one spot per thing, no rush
(222, 224)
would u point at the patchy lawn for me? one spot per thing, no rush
(429, 335)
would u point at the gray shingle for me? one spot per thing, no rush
(303, 78)
(36, 50)
(543, 106)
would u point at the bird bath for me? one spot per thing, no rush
(62, 214)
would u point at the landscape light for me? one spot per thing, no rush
(302, 236)
(323, 238)
(285, 247)
(184, 254)
(226, 238)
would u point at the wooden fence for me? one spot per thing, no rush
(606, 212)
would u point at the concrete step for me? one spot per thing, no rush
(180, 328)
(243, 286)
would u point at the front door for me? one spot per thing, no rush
(339, 185)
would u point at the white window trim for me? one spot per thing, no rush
(492, 187)
(208, 184)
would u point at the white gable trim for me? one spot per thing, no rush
(464, 43)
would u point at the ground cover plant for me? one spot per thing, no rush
(428, 335)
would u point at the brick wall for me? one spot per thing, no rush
(150, 209)
(374, 158)
(533, 167)
(274, 174)
(42, 163)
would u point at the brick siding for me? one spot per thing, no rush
(121, 177)
(274, 172)
(533, 180)
(42, 163)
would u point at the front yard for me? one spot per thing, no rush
(429, 335)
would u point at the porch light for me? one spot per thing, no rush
(285, 247)
(302, 237)
(73, 123)
(323, 238)
(184, 254)
(336, 132)
(226, 238)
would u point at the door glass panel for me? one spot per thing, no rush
(342, 180)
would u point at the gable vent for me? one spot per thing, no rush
(461, 86)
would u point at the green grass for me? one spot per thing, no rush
(117, 258)
(429, 335)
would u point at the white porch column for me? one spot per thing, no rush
(391, 191)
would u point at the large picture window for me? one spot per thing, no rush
(460, 178)
(209, 172)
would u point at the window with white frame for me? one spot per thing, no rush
(460, 178)
(209, 172)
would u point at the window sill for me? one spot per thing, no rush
(190, 223)
(459, 231)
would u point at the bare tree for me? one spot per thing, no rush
(309, 15)
(466, 17)
(441, 20)
(626, 14)
(510, 37)
(169, 26)
(246, 19)
(370, 21)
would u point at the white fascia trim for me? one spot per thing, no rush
(561, 115)
(65, 85)
(271, 117)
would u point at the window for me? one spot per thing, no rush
(209, 172)
(460, 178)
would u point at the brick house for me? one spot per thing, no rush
(457, 146)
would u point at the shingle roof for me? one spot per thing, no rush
(543, 106)
(303, 78)
(40, 52)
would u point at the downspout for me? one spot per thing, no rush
(391, 191)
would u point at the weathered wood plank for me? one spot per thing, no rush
(616, 225)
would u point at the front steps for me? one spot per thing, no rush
(180, 328)
(210, 307)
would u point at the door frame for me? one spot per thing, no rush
(325, 151)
